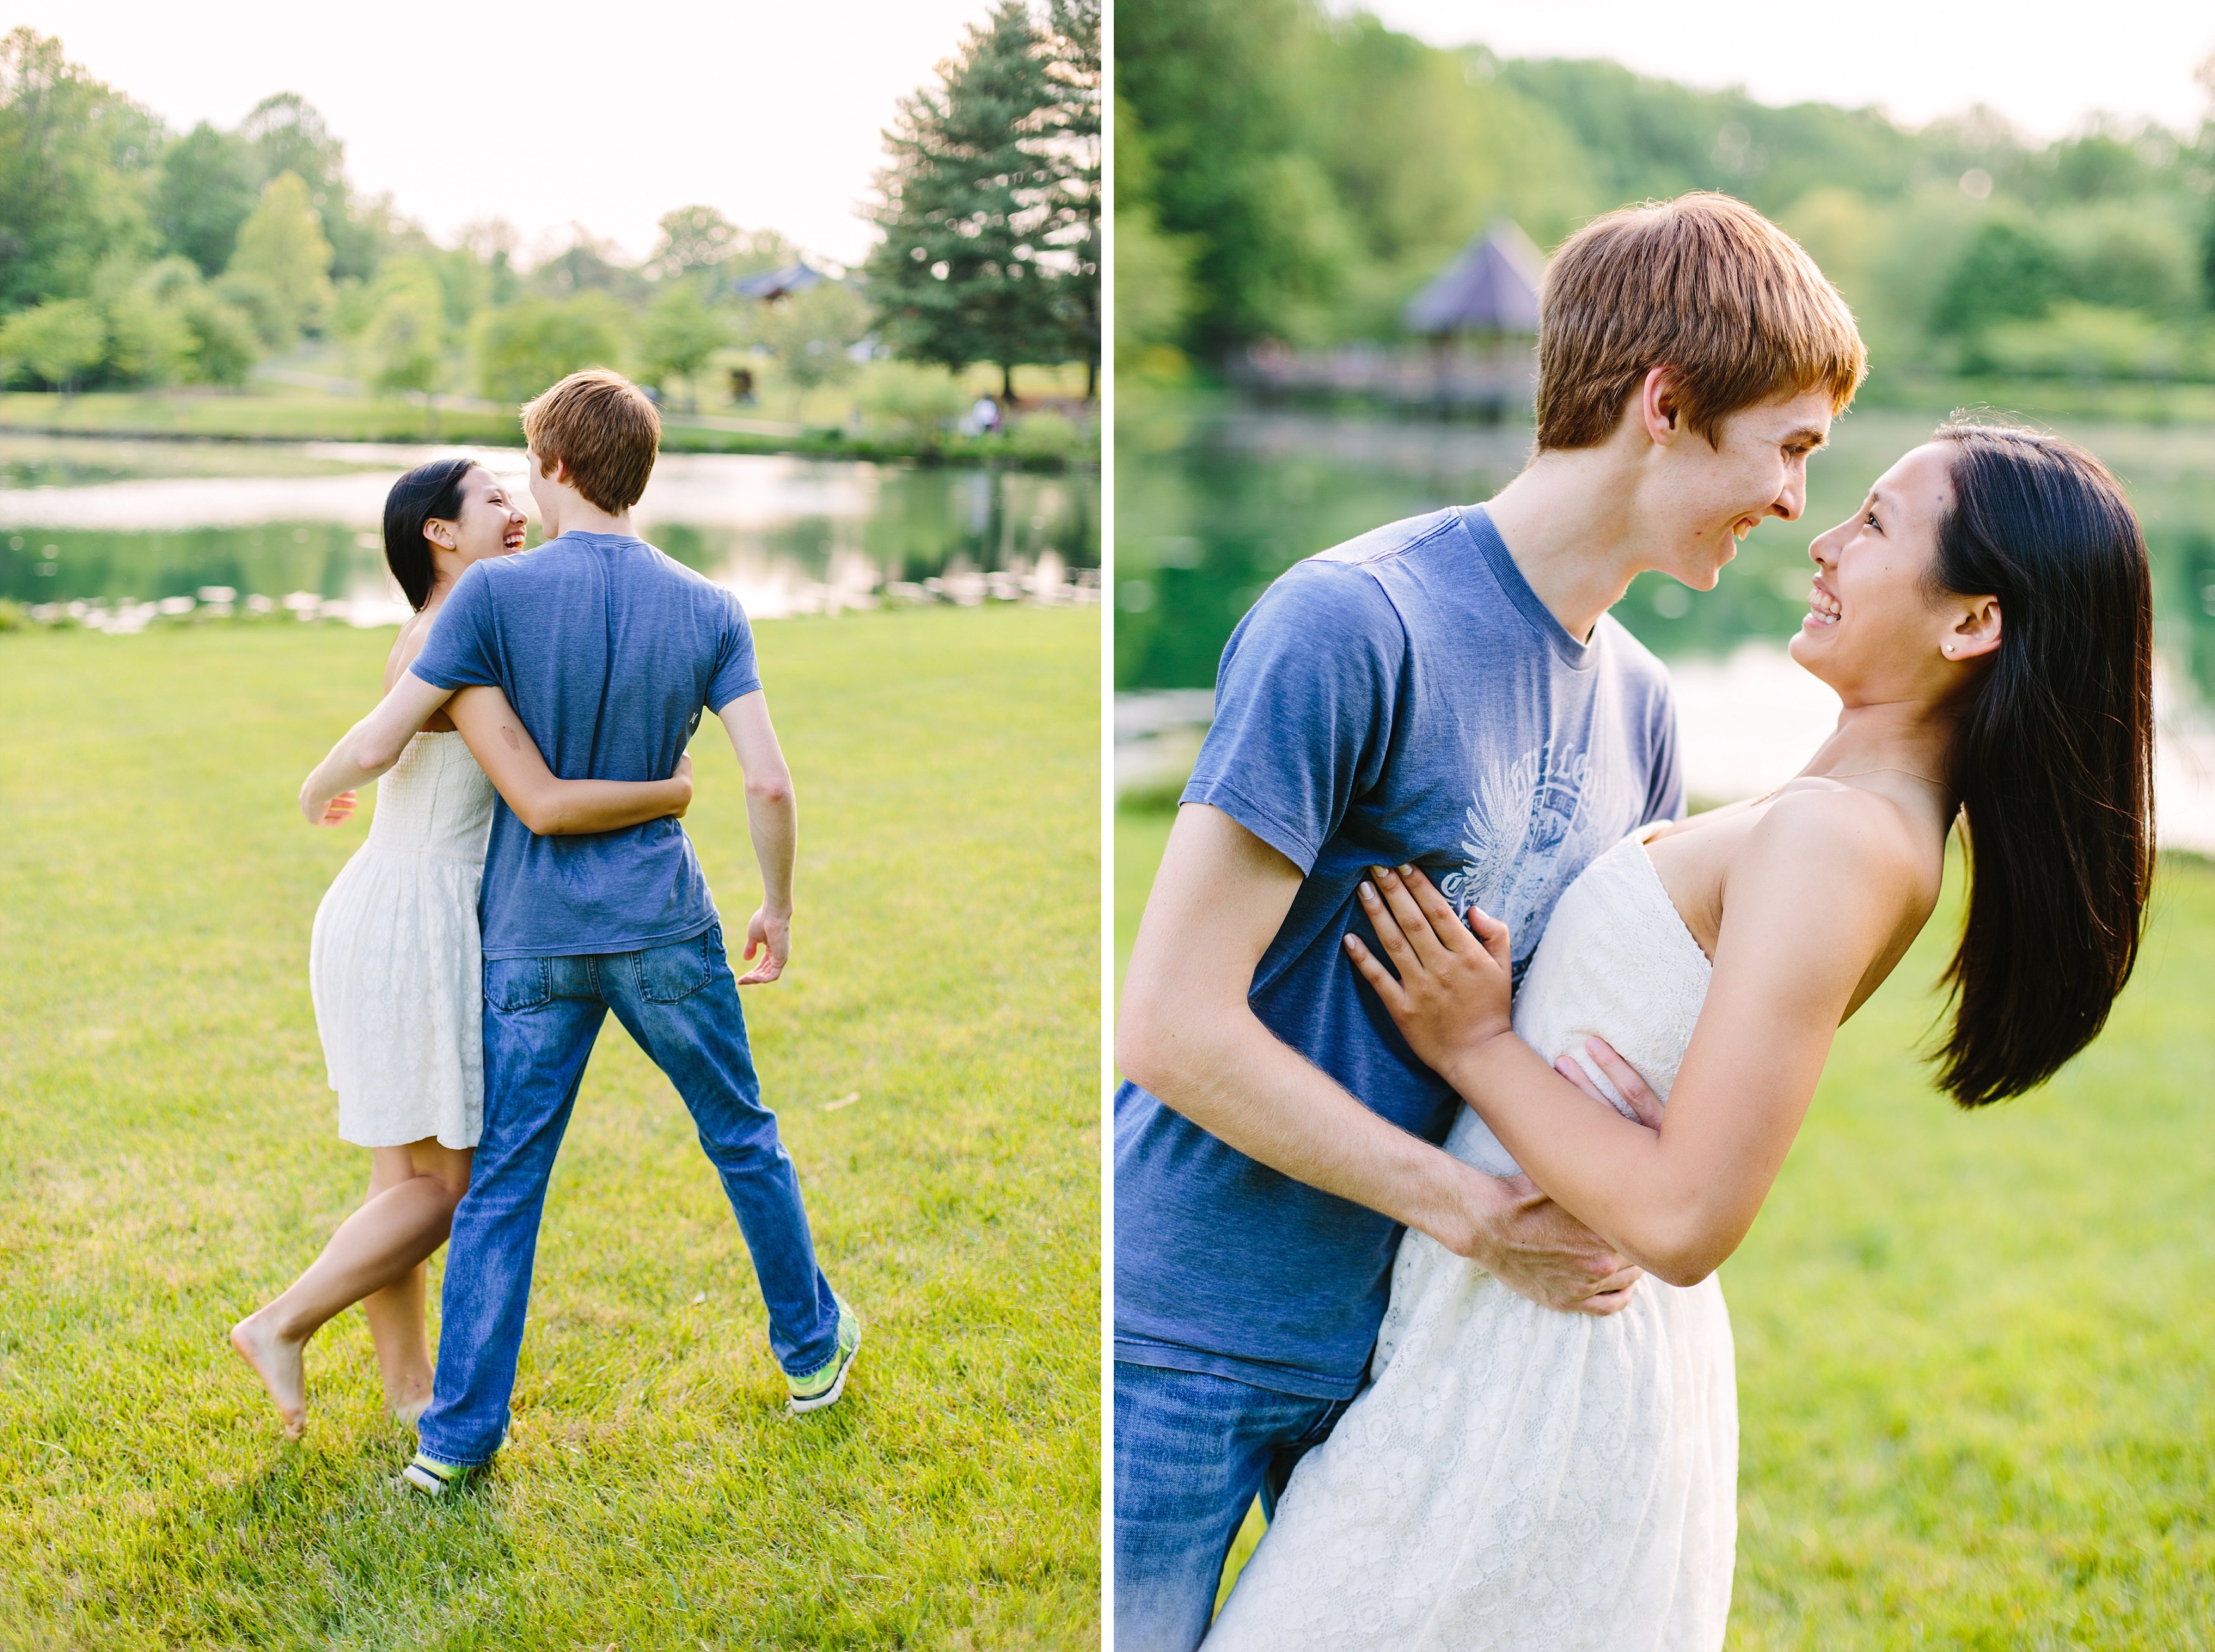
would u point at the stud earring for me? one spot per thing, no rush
(1949, 647)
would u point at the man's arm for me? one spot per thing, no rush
(548, 806)
(371, 746)
(773, 821)
(1186, 1034)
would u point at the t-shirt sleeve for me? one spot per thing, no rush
(736, 674)
(460, 651)
(1304, 708)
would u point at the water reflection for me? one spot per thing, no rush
(1214, 500)
(1213, 503)
(115, 529)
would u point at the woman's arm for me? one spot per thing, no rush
(553, 807)
(369, 748)
(1815, 897)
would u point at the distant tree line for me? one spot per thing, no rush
(1285, 172)
(130, 255)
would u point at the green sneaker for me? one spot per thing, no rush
(821, 1388)
(435, 1479)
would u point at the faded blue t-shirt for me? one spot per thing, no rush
(608, 651)
(1404, 697)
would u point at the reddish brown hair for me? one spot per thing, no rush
(1702, 285)
(602, 426)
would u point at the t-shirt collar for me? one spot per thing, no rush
(1577, 656)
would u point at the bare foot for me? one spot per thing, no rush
(408, 1409)
(277, 1363)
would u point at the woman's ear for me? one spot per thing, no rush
(441, 534)
(1973, 630)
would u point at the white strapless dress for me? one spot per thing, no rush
(395, 963)
(1515, 1477)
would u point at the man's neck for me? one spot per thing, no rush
(582, 516)
(1570, 523)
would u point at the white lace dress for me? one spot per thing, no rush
(394, 962)
(1516, 1478)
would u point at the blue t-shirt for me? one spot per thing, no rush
(608, 651)
(1405, 697)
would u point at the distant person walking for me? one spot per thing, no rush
(393, 963)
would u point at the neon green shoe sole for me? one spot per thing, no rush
(814, 1392)
(435, 1479)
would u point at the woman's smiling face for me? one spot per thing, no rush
(488, 524)
(1872, 631)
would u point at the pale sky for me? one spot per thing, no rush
(609, 113)
(2047, 66)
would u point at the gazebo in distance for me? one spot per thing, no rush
(1480, 314)
(1477, 320)
(1491, 287)
(776, 284)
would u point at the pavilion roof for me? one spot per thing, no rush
(1491, 286)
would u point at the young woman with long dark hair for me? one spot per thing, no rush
(1515, 1476)
(393, 963)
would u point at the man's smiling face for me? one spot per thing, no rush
(1710, 496)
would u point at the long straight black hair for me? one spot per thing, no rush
(2052, 758)
(431, 490)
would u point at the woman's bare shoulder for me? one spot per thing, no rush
(1844, 839)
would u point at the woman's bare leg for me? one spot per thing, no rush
(413, 1192)
(395, 1313)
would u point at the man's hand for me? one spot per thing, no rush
(770, 936)
(1539, 1251)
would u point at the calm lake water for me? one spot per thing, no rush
(120, 527)
(1214, 500)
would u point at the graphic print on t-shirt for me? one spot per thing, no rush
(1527, 833)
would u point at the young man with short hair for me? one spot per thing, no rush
(608, 651)
(1447, 692)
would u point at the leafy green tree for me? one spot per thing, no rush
(406, 340)
(1223, 91)
(222, 345)
(528, 344)
(69, 149)
(147, 342)
(918, 401)
(283, 260)
(681, 332)
(58, 340)
(966, 204)
(692, 238)
(1152, 270)
(2009, 270)
(286, 133)
(203, 192)
(812, 334)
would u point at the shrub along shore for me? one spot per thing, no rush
(1036, 444)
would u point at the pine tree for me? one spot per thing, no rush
(1073, 152)
(967, 202)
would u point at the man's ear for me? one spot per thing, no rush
(1657, 405)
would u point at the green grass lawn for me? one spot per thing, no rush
(167, 1160)
(1975, 1351)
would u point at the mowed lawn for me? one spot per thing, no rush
(167, 1160)
(1976, 1352)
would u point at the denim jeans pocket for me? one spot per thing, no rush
(513, 985)
(667, 974)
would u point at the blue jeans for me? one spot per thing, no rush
(541, 1016)
(1190, 1452)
